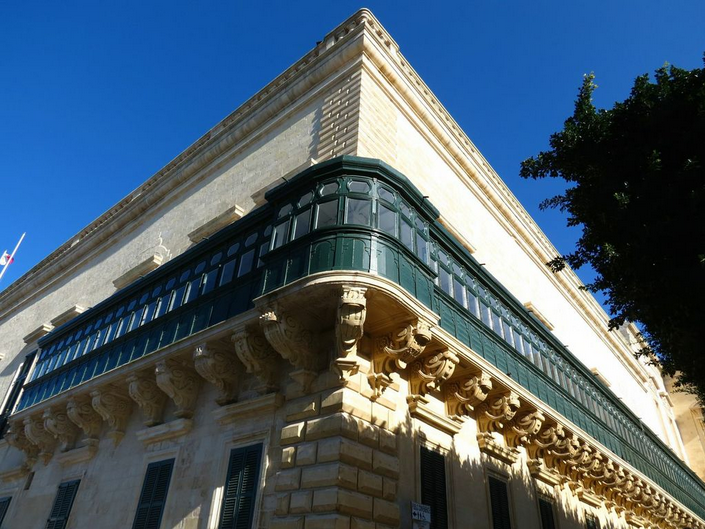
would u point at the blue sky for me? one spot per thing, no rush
(95, 97)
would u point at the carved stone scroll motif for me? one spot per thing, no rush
(430, 373)
(352, 310)
(496, 411)
(57, 423)
(181, 383)
(295, 343)
(219, 366)
(16, 437)
(525, 424)
(143, 389)
(82, 414)
(392, 353)
(463, 395)
(115, 409)
(257, 355)
(38, 435)
(539, 442)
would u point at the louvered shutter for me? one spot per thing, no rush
(238, 507)
(433, 487)
(546, 508)
(153, 497)
(4, 504)
(499, 500)
(62, 505)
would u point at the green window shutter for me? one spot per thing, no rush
(62, 505)
(238, 508)
(591, 522)
(153, 497)
(546, 508)
(499, 499)
(4, 505)
(433, 487)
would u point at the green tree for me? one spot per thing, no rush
(636, 176)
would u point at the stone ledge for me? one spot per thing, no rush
(68, 315)
(539, 471)
(229, 216)
(142, 269)
(77, 455)
(257, 406)
(425, 414)
(14, 473)
(492, 448)
(162, 432)
(586, 496)
(37, 333)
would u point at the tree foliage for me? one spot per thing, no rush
(636, 176)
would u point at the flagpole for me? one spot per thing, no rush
(13, 255)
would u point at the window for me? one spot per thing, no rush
(62, 505)
(4, 505)
(238, 508)
(546, 511)
(14, 393)
(499, 501)
(153, 497)
(591, 521)
(433, 487)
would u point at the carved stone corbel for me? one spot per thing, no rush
(295, 343)
(429, 373)
(143, 389)
(257, 355)
(496, 411)
(219, 365)
(462, 396)
(523, 427)
(544, 439)
(392, 353)
(565, 447)
(115, 409)
(82, 414)
(349, 328)
(16, 438)
(181, 383)
(57, 423)
(38, 435)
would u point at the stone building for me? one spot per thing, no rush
(327, 310)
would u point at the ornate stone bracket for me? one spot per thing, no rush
(257, 355)
(38, 435)
(463, 395)
(16, 437)
(526, 424)
(115, 409)
(57, 423)
(394, 352)
(352, 310)
(430, 373)
(295, 343)
(143, 389)
(219, 366)
(181, 383)
(82, 414)
(489, 446)
(496, 411)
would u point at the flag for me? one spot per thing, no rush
(6, 259)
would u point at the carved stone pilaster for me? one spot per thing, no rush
(525, 424)
(38, 435)
(352, 310)
(219, 366)
(429, 373)
(463, 395)
(181, 383)
(82, 414)
(295, 343)
(115, 409)
(257, 355)
(392, 353)
(16, 438)
(57, 423)
(143, 389)
(496, 411)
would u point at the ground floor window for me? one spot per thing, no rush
(61, 510)
(238, 508)
(433, 486)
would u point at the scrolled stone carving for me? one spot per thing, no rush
(16, 438)
(257, 355)
(220, 367)
(181, 383)
(544, 439)
(352, 310)
(525, 425)
(80, 411)
(565, 446)
(143, 389)
(114, 408)
(57, 423)
(496, 411)
(430, 373)
(463, 396)
(38, 435)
